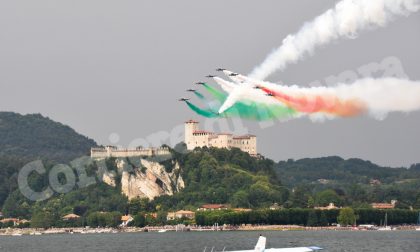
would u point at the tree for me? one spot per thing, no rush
(139, 220)
(327, 196)
(240, 199)
(323, 220)
(346, 217)
(42, 219)
(312, 219)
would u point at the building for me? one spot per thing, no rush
(70, 217)
(275, 206)
(112, 151)
(194, 137)
(330, 206)
(125, 219)
(13, 221)
(182, 214)
(212, 207)
(239, 210)
(384, 205)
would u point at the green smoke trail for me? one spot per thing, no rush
(259, 111)
(215, 93)
(199, 95)
(244, 109)
(202, 112)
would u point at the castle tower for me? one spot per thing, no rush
(191, 126)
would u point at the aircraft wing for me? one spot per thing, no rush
(301, 249)
(260, 247)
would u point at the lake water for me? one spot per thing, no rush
(198, 241)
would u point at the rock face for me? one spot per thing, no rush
(145, 179)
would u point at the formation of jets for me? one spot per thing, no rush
(228, 73)
(201, 83)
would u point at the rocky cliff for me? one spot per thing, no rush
(143, 178)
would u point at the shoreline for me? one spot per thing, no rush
(162, 229)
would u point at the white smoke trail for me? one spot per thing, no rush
(345, 20)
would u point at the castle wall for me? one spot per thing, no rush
(111, 151)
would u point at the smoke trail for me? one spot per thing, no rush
(199, 95)
(259, 111)
(215, 93)
(202, 112)
(345, 20)
(246, 109)
(326, 103)
(378, 97)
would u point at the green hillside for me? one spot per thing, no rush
(35, 136)
(338, 170)
(24, 138)
(353, 182)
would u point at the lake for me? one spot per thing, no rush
(198, 241)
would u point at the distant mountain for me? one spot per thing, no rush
(35, 136)
(336, 170)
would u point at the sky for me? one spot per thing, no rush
(114, 71)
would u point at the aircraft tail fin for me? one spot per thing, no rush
(260, 246)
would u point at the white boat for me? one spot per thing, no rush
(17, 234)
(385, 227)
(162, 231)
(260, 247)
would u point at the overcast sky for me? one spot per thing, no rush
(106, 67)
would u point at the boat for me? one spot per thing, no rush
(385, 227)
(162, 231)
(17, 234)
(261, 243)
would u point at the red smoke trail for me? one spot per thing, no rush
(319, 103)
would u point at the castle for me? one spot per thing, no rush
(194, 137)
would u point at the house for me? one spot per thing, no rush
(181, 214)
(150, 215)
(330, 206)
(275, 206)
(15, 221)
(375, 182)
(70, 217)
(242, 210)
(125, 219)
(384, 205)
(212, 207)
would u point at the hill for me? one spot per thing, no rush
(24, 138)
(336, 170)
(35, 136)
(348, 182)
